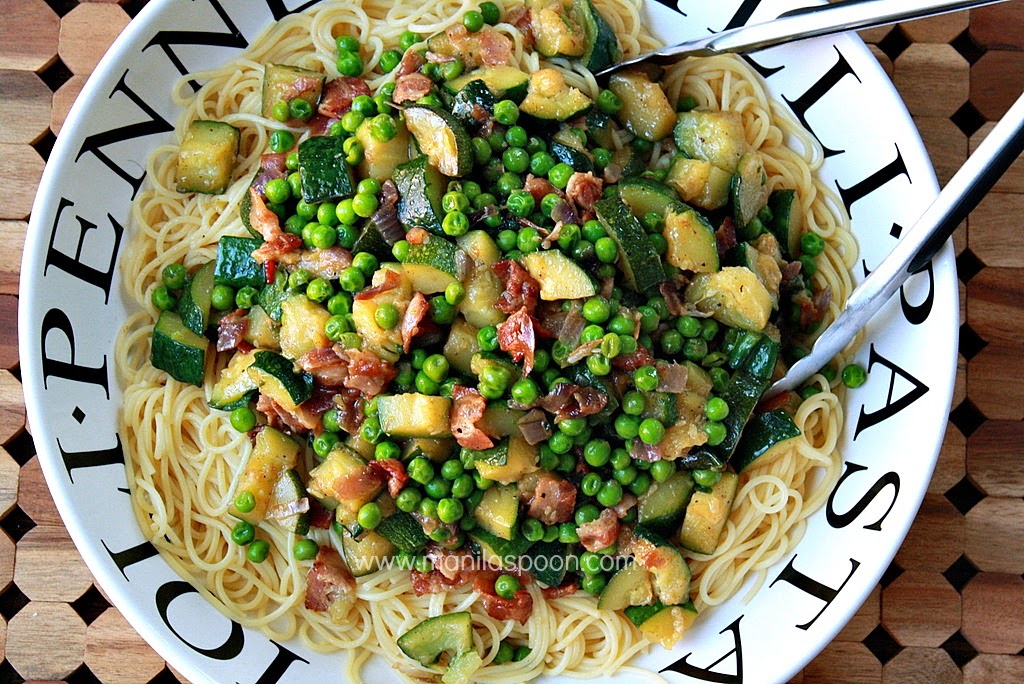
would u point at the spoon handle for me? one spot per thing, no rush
(918, 245)
(805, 23)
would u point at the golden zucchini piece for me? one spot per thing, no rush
(646, 111)
(734, 296)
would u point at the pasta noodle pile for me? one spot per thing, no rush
(184, 456)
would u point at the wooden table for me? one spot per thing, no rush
(951, 607)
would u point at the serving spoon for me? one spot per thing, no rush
(803, 23)
(918, 245)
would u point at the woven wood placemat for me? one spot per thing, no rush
(949, 609)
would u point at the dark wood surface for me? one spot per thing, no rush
(951, 607)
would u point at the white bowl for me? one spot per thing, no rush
(72, 307)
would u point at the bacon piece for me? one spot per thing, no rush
(671, 377)
(630, 362)
(272, 166)
(231, 330)
(519, 16)
(726, 235)
(540, 188)
(572, 401)
(393, 473)
(390, 282)
(338, 95)
(790, 272)
(812, 308)
(553, 501)
(411, 62)
(517, 608)
(566, 588)
(287, 509)
(321, 125)
(516, 336)
(567, 326)
(627, 502)
(601, 533)
(521, 289)
(467, 409)
(453, 568)
(306, 417)
(349, 403)
(612, 173)
(367, 372)
(411, 87)
(325, 263)
(277, 243)
(584, 189)
(328, 581)
(358, 485)
(583, 351)
(414, 315)
(320, 516)
(495, 48)
(326, 367)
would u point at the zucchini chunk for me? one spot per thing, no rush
(262, 330)
(372, 241)
(472, 95)
(501, 421)
(461, 345)
(365, 555)
(638, 260)
(765, 436)
(663, 506)
(787, 221)
(734, 296)
(381, 158)
(521, 460)
(482, 286)
(195, 305)
(579, 160)
(663, 624)
(646, 111)
(692, 245)
(700, 182)
(323, 171)
(442, 138)
(282, 82)
(504, 82)
(555, 34)
(630, 586)
(498, 511)
(437, 449)
(559, 276)
(436, 253)
(178, 350)
(387, 344)
(206, 159)
(502, 553)
(647, 196)
(550, 97)
(403, 530)
(715, 137)
(289, 506)
(235, 265)
(235, 386)
(749, 192)
(552, 570)
(601, 46)
(302, 326)
(341, 462)
(706, 515)
(275, 377)
(414, 415)
(273, 453)
(670, 574)
(420, 187)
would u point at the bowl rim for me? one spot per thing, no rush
(177, 654)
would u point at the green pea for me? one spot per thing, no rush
(487, 338)
(369, 515)
(854, 375)
(420, 470)
(349, 63)
(589, 512)
(593, 584)
(352, 280)
(325, 443)
(523, 652)
(174, 276)
(386, 316)
(389, 60)
(505, 651)
(599, 364)
(408, 39)
(695, 349)
(525, 392)
(426, 385)
(408, 499)
(551, 533)
(258, 551)
(506, 112)
(490, 12)
(463, 485)
(651, 431)
(520, 203)
(243, 419)
(610, 494)
(428, 507)
(567, 533)
(715, 431)
(608, 102)
(716, 409)
(641, 484)
(662, 470)
(621, 325)
(646, 378)
(441, 311)
(707, 478)
(449, 510)
(451, 70)
(559, 175)
(300, 109)
(162, 299)
(245, 502)
(626, 426)
(281, 111)
(473, 21)
(597, 452)
(589, 485)
(223, 297)
(812, 244)
(386, 450)
(606, 249)
(305, 549)
(455, 223)
(243, 533)
(688, 326)
(625, 476)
